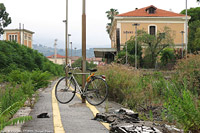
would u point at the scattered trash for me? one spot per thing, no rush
(43, 115)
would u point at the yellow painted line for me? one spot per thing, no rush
(94, 111)
(58, 127)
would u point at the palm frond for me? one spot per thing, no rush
(10, 111)
(19, 120)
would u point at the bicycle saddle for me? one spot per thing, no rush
(92, 70)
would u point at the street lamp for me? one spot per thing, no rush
(136, 24)
(71, 49)
(182, 32)
(126, 47)
(55, 52)
(75, 51)
(68, 42)
(186, 29)
(83, 47)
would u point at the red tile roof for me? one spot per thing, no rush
(58, 56)
(143, 13)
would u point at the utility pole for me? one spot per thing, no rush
(55, 52)
(66, 40)
(186, 29)
(83, 48)
(182, 32)
(136, 24)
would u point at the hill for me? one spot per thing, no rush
(47, 51)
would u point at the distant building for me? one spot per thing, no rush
(152, 20)
(97, 61)
(22, 36)
(59, 59)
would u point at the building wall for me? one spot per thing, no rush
(25, 39)
(59, 61)
(176, 26)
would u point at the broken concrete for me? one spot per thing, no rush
(127, 121)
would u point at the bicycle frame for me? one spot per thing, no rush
(80, 91)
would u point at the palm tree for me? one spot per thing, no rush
(111, 13)
(108, 26)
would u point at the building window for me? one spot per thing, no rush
(25, 37)
(12, 38)
(151, 10)
(152, 30)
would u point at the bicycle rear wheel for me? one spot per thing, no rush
(65, 93)
(96, 91)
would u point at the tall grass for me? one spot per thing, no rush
(176, 100)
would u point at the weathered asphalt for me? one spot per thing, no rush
(75, 116)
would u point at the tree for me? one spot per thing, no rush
(155, 43)
(193, 35)
(167, 56)
(197, 40)
(194, 24)
(110, 15)
(121, 56)
(194, 13)
(5, 20)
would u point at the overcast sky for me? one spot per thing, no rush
(44, 17)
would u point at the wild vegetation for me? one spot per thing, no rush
(194, 29)
(22, 72)
(157, 96)
(156, 47)
(5, 20)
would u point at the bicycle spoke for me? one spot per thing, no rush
(96, 91)
(64, 93)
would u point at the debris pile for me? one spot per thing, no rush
(127, 121)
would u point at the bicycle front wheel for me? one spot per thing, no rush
(65, 92)
(96, 91)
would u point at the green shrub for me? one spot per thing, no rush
(15, 56)
(189, 69)
(40, 79)
(184, 108)
(167, 56)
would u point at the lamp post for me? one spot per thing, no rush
(75, 51)
(68, 43)
(182, 32)
(126, 47)
(71, 49)
(55, 52)
(83, 48)
(136, 24)
(186, 29)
